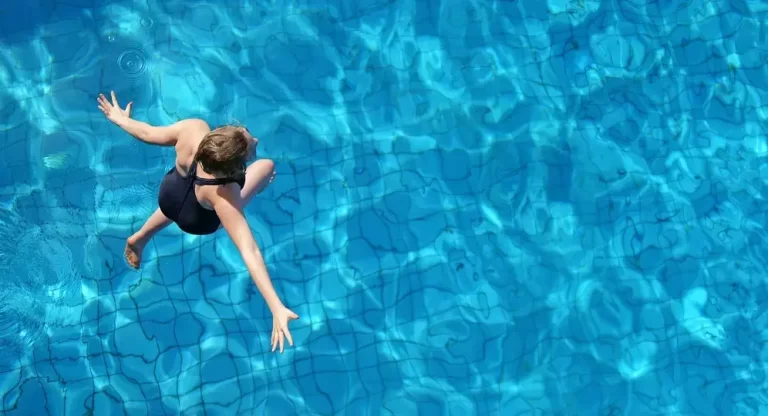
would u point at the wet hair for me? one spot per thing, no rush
(224, 151)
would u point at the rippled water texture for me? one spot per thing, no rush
(132, 62)
(481, 208)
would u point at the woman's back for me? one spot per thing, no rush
(179, 202)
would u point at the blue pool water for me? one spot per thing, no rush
(532, 207)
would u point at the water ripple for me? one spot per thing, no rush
(133, 62)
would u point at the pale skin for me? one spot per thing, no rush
(226, 200)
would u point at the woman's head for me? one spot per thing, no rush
(225, 150)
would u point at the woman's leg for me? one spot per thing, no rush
(135, 244)
(258, 175)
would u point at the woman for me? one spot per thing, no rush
(205, 190)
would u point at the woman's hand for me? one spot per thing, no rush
(112, 110)
(280, 328)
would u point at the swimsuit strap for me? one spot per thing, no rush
(216, 181)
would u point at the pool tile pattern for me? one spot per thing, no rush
(522, 207)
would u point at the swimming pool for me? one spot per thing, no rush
(485, 208)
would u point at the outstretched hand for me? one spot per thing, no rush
(280, 330)
(112, 110)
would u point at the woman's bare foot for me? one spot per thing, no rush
(133, 249)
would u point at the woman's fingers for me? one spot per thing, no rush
(104, 105)
(287, 335)
(274, 340)
(114, 100)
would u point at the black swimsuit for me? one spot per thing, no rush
(178, 202)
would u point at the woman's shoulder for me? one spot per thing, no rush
(190, 137)
(192, 130)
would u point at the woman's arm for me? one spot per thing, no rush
(228, 206)
(160, 135)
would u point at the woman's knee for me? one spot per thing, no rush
(257, 177)
(268, 165)
(264, 166)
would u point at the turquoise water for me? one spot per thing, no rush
(482, 208)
